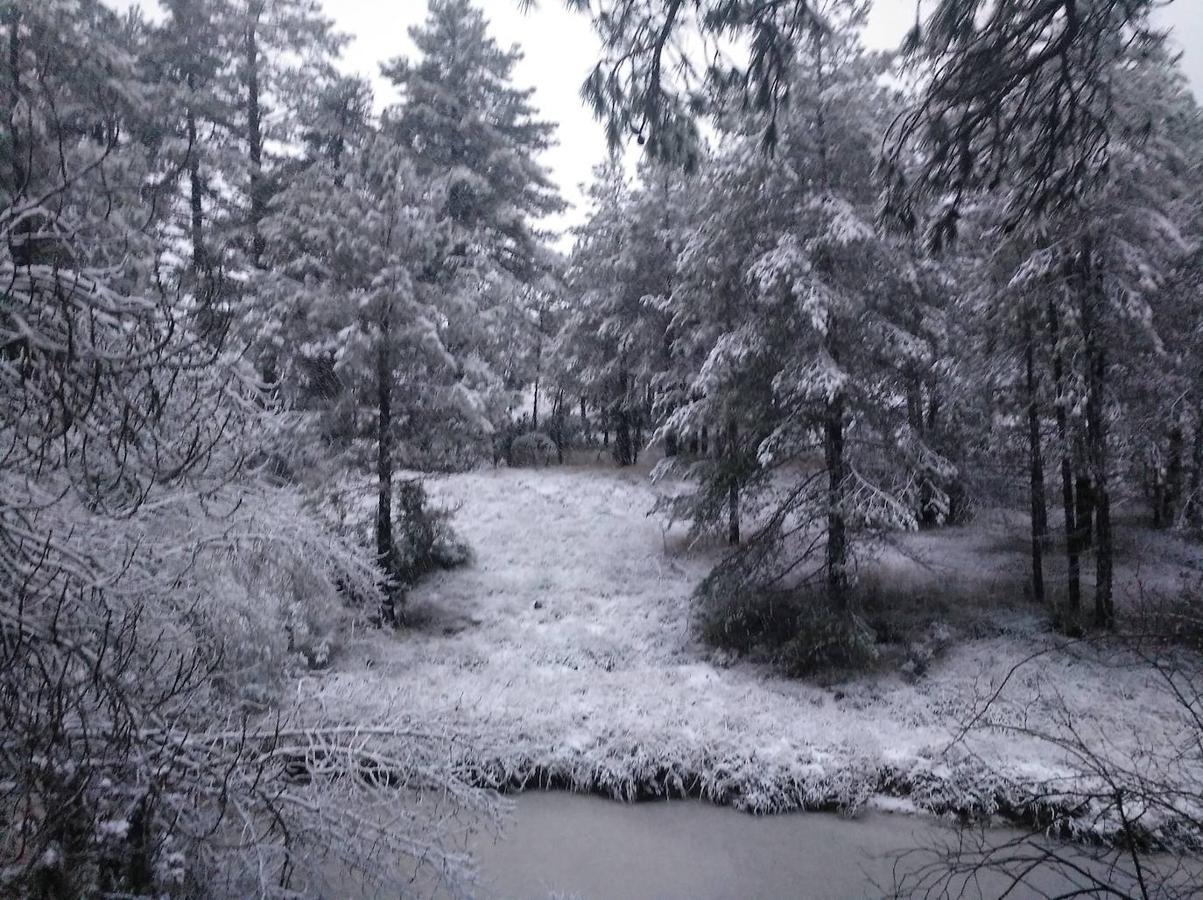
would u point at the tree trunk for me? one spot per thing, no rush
(557, 430)
(1155, 489)
(1194, 500)
(733, 487)
(200, 262)
(255, 133)
(1084, 500)
(1096, 435)
(13, 20)
(385, 547)
(933, 404)
(534, 425)
(623, 440)
(837, 535)
(1039, 511)
(1072, 542)
(837, 527)
(1174, 475)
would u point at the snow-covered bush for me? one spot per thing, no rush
(532, 449)
(425, 541)
(796, 628)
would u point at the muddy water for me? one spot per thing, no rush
(566, 845)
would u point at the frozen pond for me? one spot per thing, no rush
(569, 845)
(572, 845)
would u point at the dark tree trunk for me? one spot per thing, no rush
(1084, 499)
(1039, 511)
(624, 435)
(1174, 475)
(837, 474)
(837, 534)
(385, 547)
(1155, 491)
(534, 424)
(733, 487)
(1194, 499)
(557, 429)
(1096, 436)
(254, 118)
(623, 439)
(584, 423)
(914, 404)
(200, 261)
(17, 152)
(704, 446)
(933, 404)
(1072, 541)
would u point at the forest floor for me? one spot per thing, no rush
(564, 655)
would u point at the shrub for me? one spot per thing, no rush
(797, 629)
(532, 449)
(422, 534)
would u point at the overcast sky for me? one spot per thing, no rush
(560, 47)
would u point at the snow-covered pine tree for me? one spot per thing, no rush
(615, 339)
(467, 127)
(283, 48)
(801, 324)
(353, 238)
(1086, 279)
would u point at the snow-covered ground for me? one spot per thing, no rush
(564, 654)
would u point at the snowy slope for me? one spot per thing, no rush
(564, 655)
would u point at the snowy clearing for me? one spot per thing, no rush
(564, 656)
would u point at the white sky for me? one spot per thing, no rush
(560, 47)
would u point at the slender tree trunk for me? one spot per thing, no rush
(13, 21)
(200, 261)
(624, 439)
(1194, 500)
(534, 425)
(933, 404)
(733, 487)
(837, 474)
(1074, 599)
(557, 418)
(1174, 474)
(255, 132)
(1155, 489)
(1096, 431)
(1193, 507)
(385, 547)
(837, 531)
(1084, 499)
(584, 423)
(1039, 511)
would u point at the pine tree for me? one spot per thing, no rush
(462, 119)
(615, 335)
(477, 136)
(358, 235)
(795, 323)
